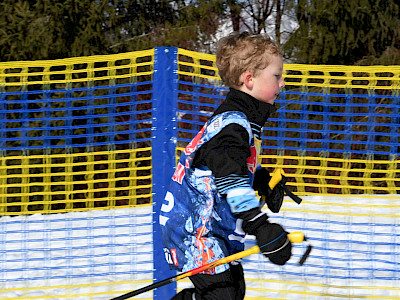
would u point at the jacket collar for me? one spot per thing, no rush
(256, 111)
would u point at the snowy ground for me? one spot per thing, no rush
(101, 254)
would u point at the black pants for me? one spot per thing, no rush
(228, 285)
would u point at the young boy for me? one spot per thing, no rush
(211, 203)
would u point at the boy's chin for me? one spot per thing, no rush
(269, 101)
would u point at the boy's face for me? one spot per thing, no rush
(266, 85)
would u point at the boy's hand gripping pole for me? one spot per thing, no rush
(294, 237)
(275, 179)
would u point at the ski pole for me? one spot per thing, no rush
(294, 237)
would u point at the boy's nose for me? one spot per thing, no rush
(281, 83)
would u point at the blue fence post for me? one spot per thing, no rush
(164, 134)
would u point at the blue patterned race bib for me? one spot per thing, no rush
(197, 225)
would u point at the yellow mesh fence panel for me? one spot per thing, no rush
(319, 161)
(76, 133)
(67, 182)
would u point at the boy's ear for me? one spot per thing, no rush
(247, 78)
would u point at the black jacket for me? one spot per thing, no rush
(226, 153)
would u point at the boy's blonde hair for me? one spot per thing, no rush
(241, 52)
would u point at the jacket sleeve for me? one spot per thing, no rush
(226, 156)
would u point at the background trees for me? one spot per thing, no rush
(49, 29)
(345, 32)
(144, 24)
(275, 17)
(311, 31)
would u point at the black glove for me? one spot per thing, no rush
(271, 238)
(274, 197)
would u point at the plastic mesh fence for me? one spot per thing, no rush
(340, 123)
(76, 138)
(75, 133)
(80, 255)
(336, 130)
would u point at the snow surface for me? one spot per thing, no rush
(104, 253)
